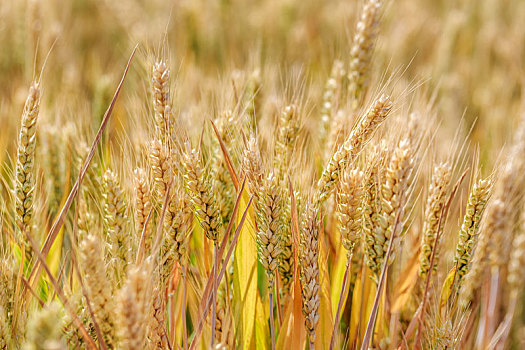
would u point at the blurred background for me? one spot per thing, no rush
(468, 55)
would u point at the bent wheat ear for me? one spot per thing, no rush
(25, 162)
(347, 152)
(392, 193)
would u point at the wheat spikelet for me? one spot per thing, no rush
(363, 49)
(393, 194)
(329, 105)
(161, 101)
(268, 210)
(285, 142)
(372, 213)
(286, 264)
(177, 223)
(156, 332)
(353, 145)
(219, 170)
(115, 208)
(252, 166)
(25, 161)
(202, 194)
(43, 331)
(516, 273)
(469, 229)
(85, 220)
(4, 329)
(480, 262)
(143, 207)
(161, 167)
(71, 332)
(97, 286)
(309, 269)
(433, 209)
(133, 303)
(349, 217)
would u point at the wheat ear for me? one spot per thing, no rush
(25, 161)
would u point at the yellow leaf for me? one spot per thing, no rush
(446, 291)
(245, 278)
(337, 277)
(405, 284)
(292, 334)
(261, 328)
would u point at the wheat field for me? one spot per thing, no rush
(263, 174)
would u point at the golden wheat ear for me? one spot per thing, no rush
(347, 152)
(24, 173)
